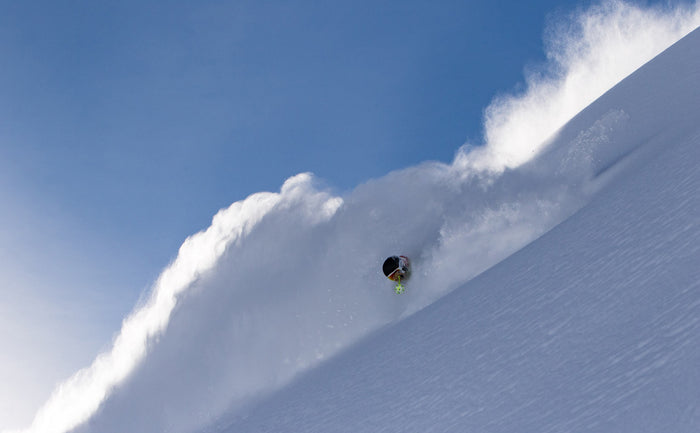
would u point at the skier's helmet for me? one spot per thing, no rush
(391, 264)
(396, 267)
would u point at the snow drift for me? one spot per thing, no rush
(282, 281)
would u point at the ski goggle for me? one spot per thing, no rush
(394, 276)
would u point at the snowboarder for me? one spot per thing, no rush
(397, 268)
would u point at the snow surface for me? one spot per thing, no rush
(593, 326)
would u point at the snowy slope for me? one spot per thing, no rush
(281, 283)
(594, 327)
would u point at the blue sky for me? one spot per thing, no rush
(125, 127)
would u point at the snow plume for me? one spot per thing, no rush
(281, 281)
(79, 397)
(588, 53)
(305, 281)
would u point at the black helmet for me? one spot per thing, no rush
(391, 264)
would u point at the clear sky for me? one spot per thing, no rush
(125, 126)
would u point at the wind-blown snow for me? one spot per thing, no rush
(587, 56)
(282, 281)
(80, 396)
